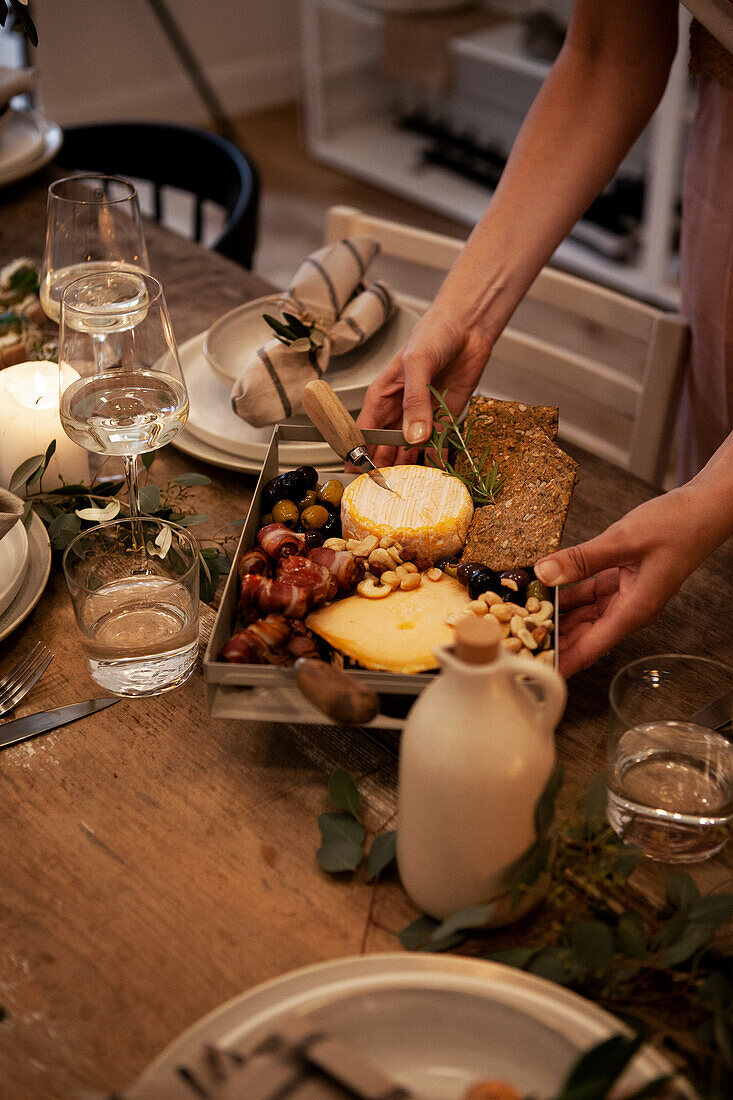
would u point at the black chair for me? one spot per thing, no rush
(203, 164)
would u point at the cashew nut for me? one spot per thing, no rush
(386, 542)
(390, 578)
(371, 590)
(434, 574)
(546, 611)
(547, 657)
(410, 581)
(363, 548)
(541, 636)
(478, 607)
(335, 544)
(394, 553)
(502, 611)
(512, 645)
(491, 598)
(380, 561)
(532, 605)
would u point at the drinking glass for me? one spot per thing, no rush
(122, 390)
(92, 222)
(670, 773)
(136, 609)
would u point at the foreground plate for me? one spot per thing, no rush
(28, 142)
(13, 563)
(435, 1024)
(196, 448)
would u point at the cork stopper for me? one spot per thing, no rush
(477, 640)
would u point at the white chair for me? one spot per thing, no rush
(612, 364)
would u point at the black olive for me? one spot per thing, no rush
(481, 580)
(313, 539)
(332, 527)
(309, 476)
(466, 570)
(514, 581)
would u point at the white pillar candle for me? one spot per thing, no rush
(29, 420)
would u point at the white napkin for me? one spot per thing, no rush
(11, 509)
(327, 289)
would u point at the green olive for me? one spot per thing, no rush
(285, 512)
(332, 492)
(309, 499)
(537, 589)
(451, 568)
(314, 517)
(266, 520)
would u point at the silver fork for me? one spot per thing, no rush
(22, 676)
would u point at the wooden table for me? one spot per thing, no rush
(154, 863)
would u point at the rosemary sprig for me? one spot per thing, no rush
(483, 480)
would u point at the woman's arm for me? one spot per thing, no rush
(599, 95)
(622, 579)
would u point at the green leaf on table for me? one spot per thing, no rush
(336, 856)
(27, 513)
(681, 889)
(715, 910)
(682, 949)
(342, 826)
(594, 805)
(211, 553)
(149, 498)
(631, 937)
(193, 521)
(544, 812)
(25, 472)
(458, 924)
(342, 790)
(518, 957)
(625, 861)
(189, 480)
(382, 852)
(592, 944)
(25, 279)
(63, 529)
(93, 583)
(208, 578)
(555, 963)
(414, 935)
(528, 869)
(717, 991)
(102, 488)
(99, 515)
(603, 1063)
(147, 459)
(10, 322)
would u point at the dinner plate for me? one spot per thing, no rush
(196, 448)
(28, 142)
(34, 581)
(234, 338)
(212, 420)
(435, 1024)
(13, 563)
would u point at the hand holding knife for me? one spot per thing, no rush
(337, 426)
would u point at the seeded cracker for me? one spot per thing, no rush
(514, 414)
(501, 426)
(527, 521)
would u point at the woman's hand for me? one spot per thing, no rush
(440, 352)
(622, 579)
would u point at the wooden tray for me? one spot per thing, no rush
(268, 693)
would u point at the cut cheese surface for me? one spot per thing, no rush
(395, 634)
(430, 517)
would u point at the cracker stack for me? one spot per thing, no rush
(538, 479)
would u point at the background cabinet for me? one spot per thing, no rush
(355, 114)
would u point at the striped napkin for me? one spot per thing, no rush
(11, 509)
(328, 292)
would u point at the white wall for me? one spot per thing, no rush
(107, 59)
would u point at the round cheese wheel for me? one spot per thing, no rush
(429, 517)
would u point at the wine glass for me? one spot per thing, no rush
(122, 390)
(92, 223)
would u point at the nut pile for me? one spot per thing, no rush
(528, 629)
(387, 564)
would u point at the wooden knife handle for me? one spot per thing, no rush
(341, 697)
(333, 420)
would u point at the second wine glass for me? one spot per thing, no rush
(122, 390)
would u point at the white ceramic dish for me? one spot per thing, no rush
(435, 1024)
(234, 338)
(28, 142)
(13, 563)
(34, 581)
(213, 422)
(196, 448)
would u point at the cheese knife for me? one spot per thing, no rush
(22, 729)
(328, 413)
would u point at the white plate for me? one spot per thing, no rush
(212, 420)
(13, 563)
(28, 142)
(234, 338)
(435, 1024)
(34, 581)
(196, 448)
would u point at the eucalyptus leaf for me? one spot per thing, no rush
(149, 497)
(605, 1061)
(594, 805)
(336, 856)
(193, 521)
(681, 889)
(685, 947)
(63, 529)
(208, 579)
(191, 479)
(383, 851)
(592, 944)
(554, 963)
(25, 472)
(342, 790)
(343, 826)
(147, 459)
(473, 916)
(415, 934)
(544, 813)
(298, 327)
(716, 909)
(631, 935)
(99, 515)
(518, 957)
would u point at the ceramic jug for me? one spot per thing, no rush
(477, 750)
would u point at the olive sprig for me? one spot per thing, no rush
(296, 333)
(448, 437)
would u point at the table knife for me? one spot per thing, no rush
(715, 715)
(338, 427)
(22, 729)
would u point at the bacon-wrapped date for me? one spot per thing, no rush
(260, 643)
(259, 595)
(302, 642)
(278, 541)
(306, 573)
(347, 569)
(255, 561)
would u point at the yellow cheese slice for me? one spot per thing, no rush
(430, 517)
(397, 633)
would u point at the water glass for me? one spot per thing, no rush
(670, 773)
(134, 584)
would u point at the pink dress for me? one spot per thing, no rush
(706, 408)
